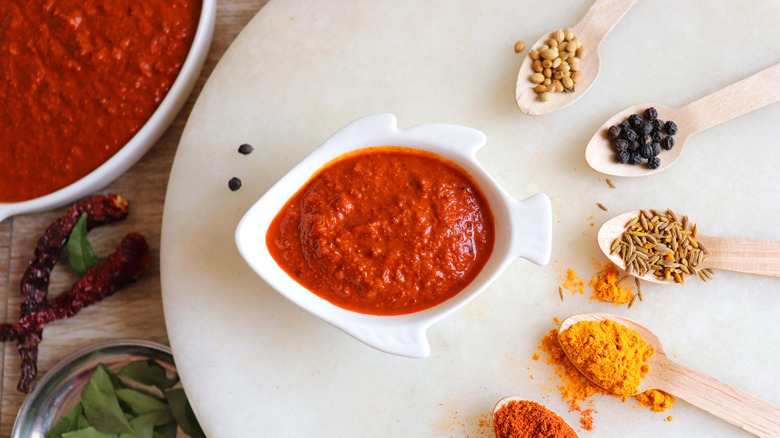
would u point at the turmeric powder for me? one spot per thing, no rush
(575, 388)
(655, 399)
(606, 287)
(609, 354)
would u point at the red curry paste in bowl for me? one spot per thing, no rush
(385, 231)
(383, 241)
(79, 79)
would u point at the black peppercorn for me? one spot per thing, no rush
(667, 143)
(631, 134)
(633, 146)
(656, 136)
(646, 150)
(245, 149)
(646, 127)
(656, 148)
(645, 139)
(670, 127)
(635, 119)
(634, 159)
(234, 184)
(625, 126)
(622, 156)
(613, 132)
(654, 163)
(658, 124)
(620, 144)
(651, 113)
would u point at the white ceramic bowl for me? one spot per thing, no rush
(144, 139)
(522, 229)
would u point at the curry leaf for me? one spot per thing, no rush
(81, 256)
(148, 372)
(101, 404)
(143, 425)
(68, 423)
(140, 403)
(168, 430)
(183, 414)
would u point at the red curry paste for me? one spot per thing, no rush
(384, 231)
(78, 78)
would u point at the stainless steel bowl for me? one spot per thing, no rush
(58, 391)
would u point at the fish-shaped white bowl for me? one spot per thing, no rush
(522, 229)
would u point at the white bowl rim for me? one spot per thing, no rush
(523, 229)
(144, 139)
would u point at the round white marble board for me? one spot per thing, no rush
(255, 365)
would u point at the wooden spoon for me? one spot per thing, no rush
(760, 257)
(506, 400)
(594, 26)
(740, 98)
(739, 408)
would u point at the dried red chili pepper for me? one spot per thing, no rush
(126, 263)
(35, 280)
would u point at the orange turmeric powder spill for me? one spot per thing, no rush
(575, 389)
(606, 287)
(573, 283)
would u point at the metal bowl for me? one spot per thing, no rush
(60, 389)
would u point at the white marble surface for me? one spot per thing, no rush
(256, 365)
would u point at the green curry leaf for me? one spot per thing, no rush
(81, 256)
(183, 414)
(68, 423)
(101, 404)
(148, 372)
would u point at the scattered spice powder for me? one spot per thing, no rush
(607, 287)
(573, 283)
(525, 418)
(656, 400)
(575, 389)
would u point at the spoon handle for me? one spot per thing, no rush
(733, 405)
(602, 16)
(749, 94)
(760, 257)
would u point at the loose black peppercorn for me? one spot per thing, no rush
(625, 126)
(646, 151)
(645, 139)
(651, 113)
(234, 184)
(646, 127)
(630, 134)
(633, 146)
(613, 132)
(658, 125)
(656, 148)
(620, 144)
(667, 143)
(634, 159)
(656, 136)
(622, 156)
(635, 119)
(245, 149)
(654, 163)
(670, 127)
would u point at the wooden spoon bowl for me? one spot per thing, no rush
(591, 30)
(761, 257)
(733, 405)
(506, 400)
(752, 93)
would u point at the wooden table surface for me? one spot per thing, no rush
(136, 311)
